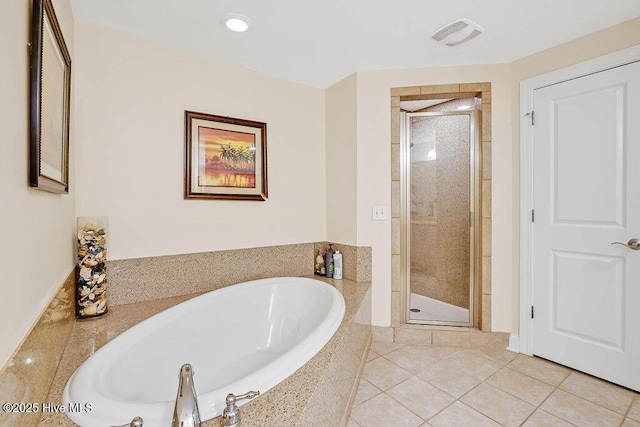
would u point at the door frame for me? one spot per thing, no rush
(524, 342)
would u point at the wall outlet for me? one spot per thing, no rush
(379, 213)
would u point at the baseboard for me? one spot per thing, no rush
(514, 343)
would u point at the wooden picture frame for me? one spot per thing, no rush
(50, 93)
(225, 158)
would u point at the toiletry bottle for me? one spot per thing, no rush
(337, 265)
(328, 262)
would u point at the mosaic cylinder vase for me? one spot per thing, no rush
(91, 269)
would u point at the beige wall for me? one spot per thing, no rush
(374, 174)
(583, 49)
(36, 228)
(374, 158)
(341, 130)
(131, 98)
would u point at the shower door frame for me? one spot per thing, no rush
(475, 212)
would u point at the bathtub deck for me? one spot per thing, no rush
(309, 393)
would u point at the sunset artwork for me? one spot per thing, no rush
(226, 158)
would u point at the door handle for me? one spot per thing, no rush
(631, 244)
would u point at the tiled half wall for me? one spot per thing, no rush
(360, 270)
(143, 279)
(448, 91)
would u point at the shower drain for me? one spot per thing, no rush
(415, 310)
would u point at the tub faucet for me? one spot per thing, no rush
(135, 422)
(185, 412)
(231, 414)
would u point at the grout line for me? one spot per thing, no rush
(504, 365)
(626, 414)
(517, 397)
(555, 415)
(537, 379)
(366, 400)
(481, 413)
(529, 416)
(402, 404)
(443, 409)
(591, 401)
(507, 393)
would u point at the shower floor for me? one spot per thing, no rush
(434, 310)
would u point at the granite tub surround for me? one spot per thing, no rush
(321, 389)
(29, 373)
(88, 336)
(335, 394)
(356, 260)
(320, 393)
(143, 279)
(38, 367)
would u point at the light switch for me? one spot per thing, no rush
(379, 213)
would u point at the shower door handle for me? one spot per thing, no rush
(631, 244)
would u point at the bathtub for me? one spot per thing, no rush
(249, 336)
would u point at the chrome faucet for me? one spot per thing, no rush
(185, 412)
(231, 414)
(135, 422)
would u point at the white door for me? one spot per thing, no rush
(586, 195)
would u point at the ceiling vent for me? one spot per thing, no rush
(457, 32)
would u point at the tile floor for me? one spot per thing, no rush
(410, 386)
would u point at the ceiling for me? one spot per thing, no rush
(319, 42)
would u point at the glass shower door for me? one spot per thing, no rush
(440, 222)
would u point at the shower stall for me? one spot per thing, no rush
(440, 212)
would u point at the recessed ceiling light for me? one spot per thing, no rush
(236, 22)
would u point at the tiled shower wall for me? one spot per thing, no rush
(455, 91)
(440, 258)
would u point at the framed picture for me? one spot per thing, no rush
(50, 65)
(225, 158)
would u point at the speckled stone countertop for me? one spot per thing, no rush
(283, 405)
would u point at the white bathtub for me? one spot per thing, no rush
(249, 336)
